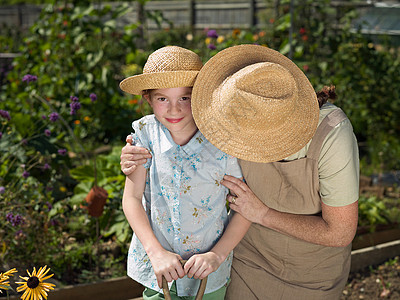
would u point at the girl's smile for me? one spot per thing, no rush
(174, 120)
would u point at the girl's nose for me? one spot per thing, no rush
(174, 107)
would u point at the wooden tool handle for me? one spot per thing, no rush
(200, 292)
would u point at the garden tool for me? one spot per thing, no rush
(199, 294)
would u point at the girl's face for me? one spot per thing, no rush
(172, 107)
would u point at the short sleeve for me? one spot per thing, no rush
(233, 167)
(339, 167)
(140, 138)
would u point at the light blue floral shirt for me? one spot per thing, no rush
(184, 200)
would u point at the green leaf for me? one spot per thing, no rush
(84, 173)
(93, 59)
(285, 49)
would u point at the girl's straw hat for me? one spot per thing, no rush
(255, 104)
(167, 67)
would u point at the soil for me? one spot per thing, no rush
(379, 282)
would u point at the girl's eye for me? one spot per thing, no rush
(186, 98)
(162, 99)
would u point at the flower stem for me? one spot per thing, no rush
(69, 129)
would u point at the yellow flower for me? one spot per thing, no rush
(4, 284)
(63, 189)
(34, 286)
(208, 40)
(220, 39)
(87, 118)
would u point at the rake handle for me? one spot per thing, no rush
(199, 294)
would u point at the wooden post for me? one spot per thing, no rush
(291, 29)
(252, 14)
(141, 17)
(192, 16)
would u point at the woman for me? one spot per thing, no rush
(300, 163)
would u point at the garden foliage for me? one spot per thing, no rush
(63, 119)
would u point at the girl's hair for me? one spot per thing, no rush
(327, 93)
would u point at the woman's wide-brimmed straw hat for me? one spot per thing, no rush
(255, 104)
(167, 67)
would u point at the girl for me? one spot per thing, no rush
(175, 203)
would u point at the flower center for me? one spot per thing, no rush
(33, 282)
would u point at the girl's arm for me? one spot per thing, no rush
(164, 263)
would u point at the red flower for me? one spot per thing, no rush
(302, 30)
(304, 38)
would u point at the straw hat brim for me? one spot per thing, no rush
(254, 143)
(158, 80)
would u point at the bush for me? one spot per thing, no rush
(60, 106)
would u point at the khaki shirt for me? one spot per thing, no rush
(337, 164)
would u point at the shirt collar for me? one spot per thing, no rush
(194, 146)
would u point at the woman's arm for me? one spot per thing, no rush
(132, 156)
(164, 263)
(335, 228)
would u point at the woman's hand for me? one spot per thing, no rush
(132, 156)
(245, 202)
(167, 264)
(199, 266)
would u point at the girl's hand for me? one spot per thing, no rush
(167, 264)
(132, 156)
(245, 202)
(200, 266)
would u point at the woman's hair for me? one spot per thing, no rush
(327, 93)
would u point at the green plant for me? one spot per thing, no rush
(77, 51)
(59, 104)
(375, 211)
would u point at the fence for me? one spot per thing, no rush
(196, 14)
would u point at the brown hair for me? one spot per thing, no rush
(327, 93)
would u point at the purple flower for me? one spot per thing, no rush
(15, 220)
(211, 46)
(53, 116)
(44, 117)
(1, 134)
(46, 166)
(212, 33)
(2, 190)
(93, 97)
(24, 142)
(49, 206)
(28, 78)
(5, 114)
(18, 220)
(74, 98)
(9, 217)
(62, 151)
(47, 132)
(74, 105)
(25, 174)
